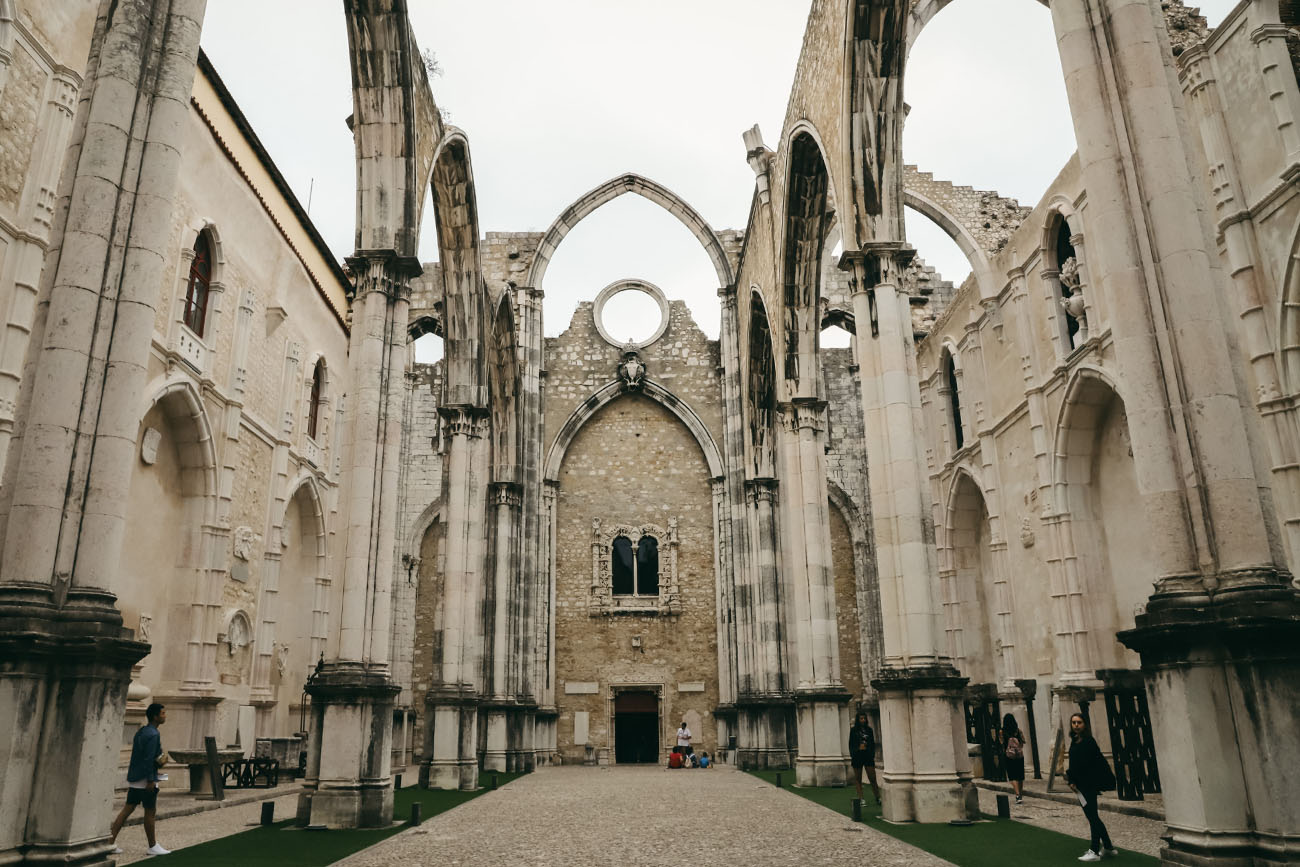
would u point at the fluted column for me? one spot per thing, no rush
(926, 769)
(65, 659)
(353, 694)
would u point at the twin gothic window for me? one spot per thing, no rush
(634, 569)
(634, 566)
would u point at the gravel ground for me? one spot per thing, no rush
(1132, 833)
(643, 816)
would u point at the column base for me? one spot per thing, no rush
(1223, 680)
(927, 775)
(64, 674)
(349, 781)
(451, 739)
(821, 759)
(765, 725)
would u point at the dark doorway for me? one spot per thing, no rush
(636, 728)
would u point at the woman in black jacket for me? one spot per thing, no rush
(1089, 776)
(1013, 746)
(862, 753)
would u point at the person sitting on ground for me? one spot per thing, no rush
(705, 761)
(142, 779)
(675, 758)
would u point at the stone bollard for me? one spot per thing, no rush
(1004, 807)
(857, 809)
(416, 809)
(268, 812)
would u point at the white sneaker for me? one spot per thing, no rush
(117, 850)
(1090, 856)
(157, 849)
(1110, 853)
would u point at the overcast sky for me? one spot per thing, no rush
(559, 96)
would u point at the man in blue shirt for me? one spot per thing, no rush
(142, 778)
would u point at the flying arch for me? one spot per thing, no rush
(922, 13)
(647, 189)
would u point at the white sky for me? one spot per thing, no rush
(559, 96)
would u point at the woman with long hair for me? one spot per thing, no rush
(1089, 776)
(1013, 745)
(862, 753)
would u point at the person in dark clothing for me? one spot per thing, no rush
(862, 753)
(1089, 776)
(142, 778)
(1013, 746)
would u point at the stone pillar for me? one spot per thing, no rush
(811, 603)
(353, 695)
(927, 776)
(505, 505)
(65, 659)
(1218, 638)
(453, 699)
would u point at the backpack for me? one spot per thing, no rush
(1014, 748)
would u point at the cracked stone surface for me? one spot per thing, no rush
(642, 815)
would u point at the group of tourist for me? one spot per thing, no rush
(683, 755)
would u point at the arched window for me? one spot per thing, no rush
(954, 400)
(1067, 264)
(196, 291)
(634, 569)
(623, 567)
(317, 398)
(647, 566)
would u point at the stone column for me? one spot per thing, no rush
(1219, 636)
(505, 505)
(65, 659)
(927, 775)
(811, 603)
(353, 695)
(453, 698)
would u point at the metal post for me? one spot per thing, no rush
(494, 781)
(397, 782)
(1004, 807)
(778, 779)
(268, 812)
(214, 769)
(416, 808)
(857, 809)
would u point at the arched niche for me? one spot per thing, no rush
(967, 582)
(647, 189)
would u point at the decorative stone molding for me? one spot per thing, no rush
(759, 157)
(149, 445)
(631, 371)
(244, 538)
(467, 421)
(603, 602)
(1186, 26)
(1074, 303)
(618, 287)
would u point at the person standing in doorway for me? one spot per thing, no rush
(1013, 744)
(142, 779)
(684, 739)
(862, 753)
(1089, 776)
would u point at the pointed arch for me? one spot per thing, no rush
(647, 189)
(1087, 396)
(307, 484)
(922, 13)
(803, 236)
(608, 394)
(192, 432)
(961, 236)
(503, 385)
(465, 301)
(760, 389)
(431, 514)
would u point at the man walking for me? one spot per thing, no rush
(142, 779)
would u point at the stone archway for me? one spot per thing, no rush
(967, 579)
(647, 189)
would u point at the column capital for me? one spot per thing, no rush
(464, 420)
(762, 489)
(506, 494)
(804, 413)
(382, 271)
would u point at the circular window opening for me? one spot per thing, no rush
(631, 313)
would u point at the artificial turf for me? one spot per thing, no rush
(283, 844)
(990, 843)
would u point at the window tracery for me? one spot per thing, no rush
(634, 569)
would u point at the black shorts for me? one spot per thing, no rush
(1015, 768)
(147, 797)
(861, 760)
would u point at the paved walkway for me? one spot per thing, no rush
(645, 816)
(1130, 833)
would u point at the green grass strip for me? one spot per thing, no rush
(991, 843)
(283, 844)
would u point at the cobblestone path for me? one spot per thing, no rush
(641, 816)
